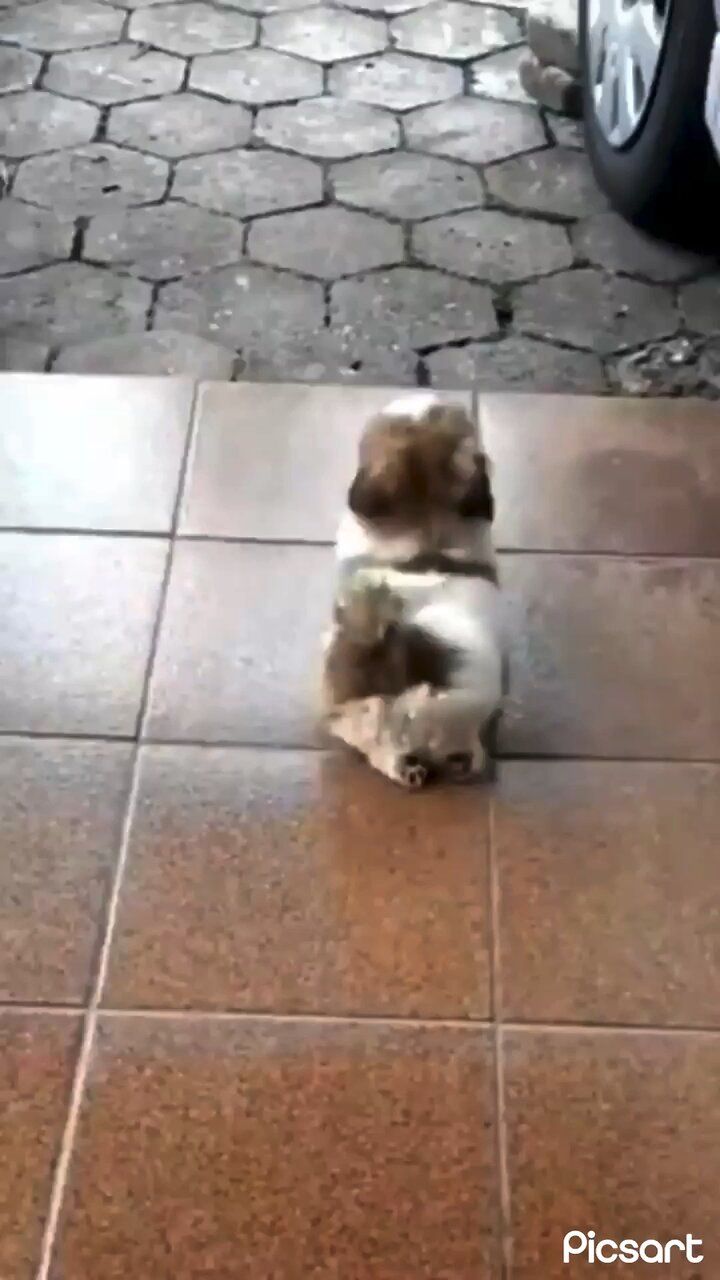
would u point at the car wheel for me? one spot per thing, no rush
(645, 67)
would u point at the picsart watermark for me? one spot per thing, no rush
(585, 1244)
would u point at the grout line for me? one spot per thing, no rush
(503, 1175)
(308, 1019)
(609, 1028)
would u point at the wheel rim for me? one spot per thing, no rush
(625, 45)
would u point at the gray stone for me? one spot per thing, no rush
(192, 27)
(567, 133)
(552, 33)
(251, 308)
(557, 181)
(263, 7)
(181, 125)
(407, 186)
(71, 302)
(498, 76)
(679, 367)
(516, 364)
(328, 128)
(18, 69)
(257, 76)
(115, 73)
(91, 179)
(38, 121)
(61, 24)
(152, 354)
(326, 242)
(324, 357)
(474, 129)
(386, 7)
(160, 242)
(551, 87)
(599, 313)
(455, 30)
(19, 356)
(31, 237)
(246, 183)
(607, 241)
(700, 304)
(396, 81)
(409, 309)
(325, 35)
(495, 247)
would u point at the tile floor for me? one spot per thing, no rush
(263, 1016)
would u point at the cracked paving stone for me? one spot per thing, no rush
(326, 242)
(516, 364)
(498, 76)
(407, 186)
(607, 241)
(19, 356)
(455, 30)
(495, 247)
(156, 353)
(91, 179)
(116, 73)
(163, 241)
(325, 35)
(72, 302)
(700, 304)
(396, 81)
(31, 237)
(193, 27)
(252, 308)
(180, 125)
(408, 308)
(55, 25)
(600, 313)
(246, 183)
(34, 122)
(328, 128)
(257, 76)
(18, 69)
(556, 181)
(474, 129)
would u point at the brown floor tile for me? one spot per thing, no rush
(240, 648)
(37, 1054)
(581, 474)
(283, 1150)
(616, 1133)
(616, 658)
(292, 882)
(609, 895)
(77, 617)
(61, 806)
(92, 453)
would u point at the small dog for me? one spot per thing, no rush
(414, 663)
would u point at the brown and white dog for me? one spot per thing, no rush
(414, 662)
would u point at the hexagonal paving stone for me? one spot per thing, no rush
(325, 35)
(516, 364)
(249, 182)
(30, 237)
(474, 129)
(72, 302)
(455, 30)
(61, 24)
(164, 241)
(327, 242)
(116, 73)
(700, 304)
(181, 125)
(587, 309)
(498, 76)
(18, 69)
(388, 7)
(34, 122)
(396, 81)
(92, 178)
(404, 185)
(193, 27)
(555, 181)
(409, 308)
(246, 307)
(322, 356)
(156, 353)
(329, 128)
(492, 246)
(607, 241)
(257, 76)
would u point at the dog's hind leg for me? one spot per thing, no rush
(367, 725)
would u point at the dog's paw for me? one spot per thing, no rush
(412, 773)
(460, 765)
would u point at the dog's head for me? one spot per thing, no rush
(421, 466)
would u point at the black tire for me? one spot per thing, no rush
(667, 179)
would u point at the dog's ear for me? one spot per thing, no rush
(367, 498)
(477, 502)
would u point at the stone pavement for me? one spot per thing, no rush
(348, 192)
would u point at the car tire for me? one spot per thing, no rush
(666, 180)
